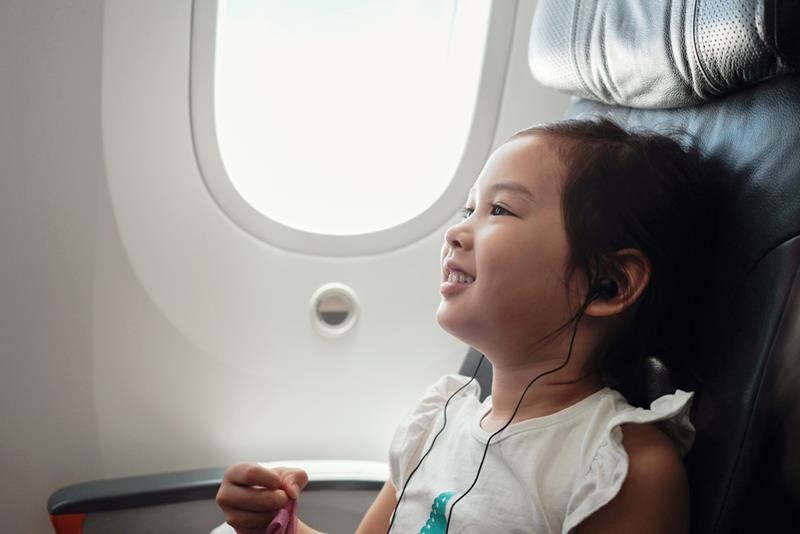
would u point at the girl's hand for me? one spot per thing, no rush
(251, 495)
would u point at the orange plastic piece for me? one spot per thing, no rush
(68, 523)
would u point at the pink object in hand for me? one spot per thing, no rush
(286, 520)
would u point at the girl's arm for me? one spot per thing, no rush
(654, 498)
(376, 520)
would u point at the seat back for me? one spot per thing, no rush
(724, 72)
(746, 358)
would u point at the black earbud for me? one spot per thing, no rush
(605, 288)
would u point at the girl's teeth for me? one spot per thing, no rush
(460, 277)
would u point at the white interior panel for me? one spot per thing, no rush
(142, 329)
(238, 300)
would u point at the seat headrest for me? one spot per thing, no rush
(664, 54)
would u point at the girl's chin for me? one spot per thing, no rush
(444, 319)
(454, 323)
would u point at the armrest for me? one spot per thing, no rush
(69, 506)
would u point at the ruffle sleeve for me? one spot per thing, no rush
(411, 435)
(609, 465)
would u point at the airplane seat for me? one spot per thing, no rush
(725, 72)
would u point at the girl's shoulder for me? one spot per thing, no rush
(669, 413)
(662, 433)
(449, 384)
(431, 402)
(416, 428)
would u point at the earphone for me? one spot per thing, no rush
(603, 289)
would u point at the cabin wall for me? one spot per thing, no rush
(52, 178)
(96, 380)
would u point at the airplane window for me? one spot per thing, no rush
(346, 117)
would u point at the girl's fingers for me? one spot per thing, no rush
(247, 522)
(293, 481)
(251, 499)
(252, 475)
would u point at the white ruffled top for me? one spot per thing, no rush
(544, 475)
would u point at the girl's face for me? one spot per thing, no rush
(513, 243)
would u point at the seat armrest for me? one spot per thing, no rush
(69, 506)
(131, 492)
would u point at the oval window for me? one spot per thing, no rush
(347, 117)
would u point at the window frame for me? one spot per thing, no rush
(476, 150)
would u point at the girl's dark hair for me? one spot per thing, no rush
(633, 189)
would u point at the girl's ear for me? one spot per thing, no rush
(636, 269)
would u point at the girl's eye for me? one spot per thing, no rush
(466, 212)
(495, 207)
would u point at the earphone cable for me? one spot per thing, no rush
(486, 449)
(394, 513)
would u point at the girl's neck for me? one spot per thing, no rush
(549, 394)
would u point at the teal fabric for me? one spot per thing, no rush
(437, 522)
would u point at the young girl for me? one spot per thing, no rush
(576, 254)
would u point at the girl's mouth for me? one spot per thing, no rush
(455, 283)
(459, 277)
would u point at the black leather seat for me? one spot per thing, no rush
(723, 71)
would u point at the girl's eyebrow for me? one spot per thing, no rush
(513, 187)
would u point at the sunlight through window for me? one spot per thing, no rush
(345, 117)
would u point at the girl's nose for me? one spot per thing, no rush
(457, 236)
